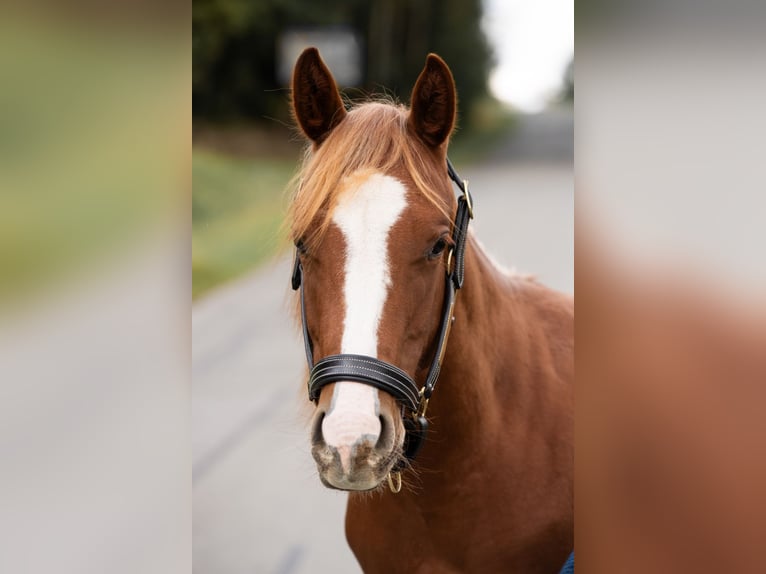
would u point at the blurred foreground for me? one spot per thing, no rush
(94, 291)
(671, 278)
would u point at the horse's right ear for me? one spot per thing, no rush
(316, 100)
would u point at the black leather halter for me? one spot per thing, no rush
(385, 376)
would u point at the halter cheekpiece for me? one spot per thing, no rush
(385, 376)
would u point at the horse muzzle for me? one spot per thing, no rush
(355, 451)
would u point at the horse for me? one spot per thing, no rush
(475, 475)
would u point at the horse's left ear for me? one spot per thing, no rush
(434, 102)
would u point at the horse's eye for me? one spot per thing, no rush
(438, 247)
(300, 247)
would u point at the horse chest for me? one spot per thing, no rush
(448, 535)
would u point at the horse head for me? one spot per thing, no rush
(372, 220)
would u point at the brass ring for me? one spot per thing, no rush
(395, 484)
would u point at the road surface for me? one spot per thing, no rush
(258, 505)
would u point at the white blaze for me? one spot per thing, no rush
(365, 216)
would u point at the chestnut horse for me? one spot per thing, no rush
(378, 230)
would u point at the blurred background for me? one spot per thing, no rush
(258, 504)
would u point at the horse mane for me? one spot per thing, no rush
(372, 137)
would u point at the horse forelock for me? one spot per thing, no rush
(373, 137)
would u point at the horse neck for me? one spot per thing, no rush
(491, 364)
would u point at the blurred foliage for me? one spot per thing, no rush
(90, 124)
(237, 214)
(234, 49)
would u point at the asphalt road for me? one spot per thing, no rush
(258, 505)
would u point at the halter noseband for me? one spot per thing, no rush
(385, 376)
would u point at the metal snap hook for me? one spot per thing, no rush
(422, 405)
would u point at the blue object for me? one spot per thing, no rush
(568, 567)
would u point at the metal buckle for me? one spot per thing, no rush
(468, 199)
(449, 260)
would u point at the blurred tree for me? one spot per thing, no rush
(402, 32)
(234, 48)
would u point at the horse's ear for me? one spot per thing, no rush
(316, 101)
(434, 102)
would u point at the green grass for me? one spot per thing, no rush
(238, 207)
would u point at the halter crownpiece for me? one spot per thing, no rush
(385, 376)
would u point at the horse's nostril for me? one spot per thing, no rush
(316, 431)
(385, 439)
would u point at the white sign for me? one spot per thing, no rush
(339, 47)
